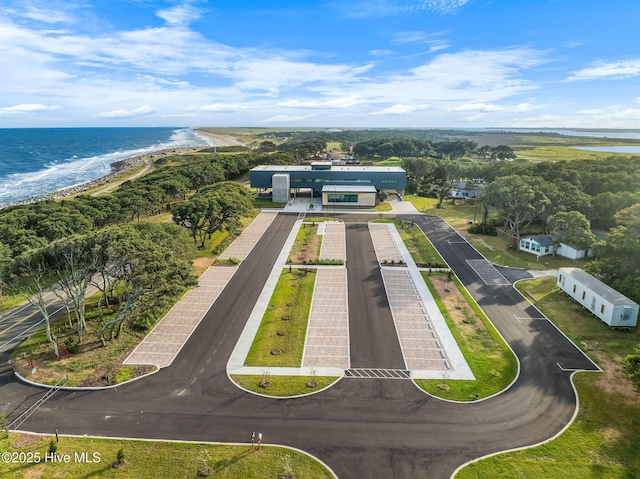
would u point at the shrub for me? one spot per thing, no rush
(53, 446)
(488, 229)
(71, 344)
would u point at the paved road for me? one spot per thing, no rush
(372, 332)
(362, 428)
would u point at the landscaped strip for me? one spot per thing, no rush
(491, 361)
(601, 443)
(283, 386)
(153, 459)
(307, 245)
(421, 249)
(281, 335)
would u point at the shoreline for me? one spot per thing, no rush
(118, 168)
(216, 139)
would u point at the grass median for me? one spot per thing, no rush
(491, 361)
(146, 459)
(281, 335)
(421, 249)
(283, 386)
(307, 244)
(602, 441)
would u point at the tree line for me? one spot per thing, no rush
(139, 267)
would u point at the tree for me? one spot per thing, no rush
(503, 152)
(228, 202)
(570, 227)
(193, 215)
(516, 201)
(74, 262)
(28, 274)
(484, 152)
(618, 261)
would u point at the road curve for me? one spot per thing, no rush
(362, 428)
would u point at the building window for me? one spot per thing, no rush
(388, 181)
(342, 198)
(583, 294)
(602, 309)
(574, 288)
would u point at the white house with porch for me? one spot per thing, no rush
(543, 245)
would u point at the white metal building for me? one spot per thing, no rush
(612, 307)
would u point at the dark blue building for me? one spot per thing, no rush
(318, 175)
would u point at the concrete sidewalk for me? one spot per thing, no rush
(236, 365)
(327, 341)
(428, 346)
(168, 337)
(243, 244)
(334, 241)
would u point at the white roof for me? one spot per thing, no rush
(348, 189)
(285, 168)
(597, 286)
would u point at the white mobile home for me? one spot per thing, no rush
(606, 303)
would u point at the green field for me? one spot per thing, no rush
(493, 364)
(155, 459)
(282, 386)
(494, 248)
(602, 441)
(292, 299)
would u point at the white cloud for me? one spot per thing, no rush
(614, 112)
(400, 7)
(418, 37)
(523, 107)
(44, 14)
(611, 70)
(476, 106)
(381, 53)
(180, 14)
(219, 107)
(345, 102)
(26, 108)
(140, 111)
(400, 109)
(286, 118)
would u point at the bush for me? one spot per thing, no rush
(488, 229)
(53, 446)
(71, 344)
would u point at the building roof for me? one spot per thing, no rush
(348, 189)
(286, 168)
(542, 240)
(597, 286)
(546, 240)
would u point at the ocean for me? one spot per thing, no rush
(36, 161)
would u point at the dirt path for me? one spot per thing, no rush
(148, 165)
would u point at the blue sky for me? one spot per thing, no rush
(334, 63)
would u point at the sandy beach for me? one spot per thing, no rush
(219, 140)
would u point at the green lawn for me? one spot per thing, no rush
(307, 244)
(391, 161)
(491, 361)
(291, 298)
(283, 385)
(494, 248)
(383, 207)
(146, 459)
(421, 249)
(266, 203)
(602, 441)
